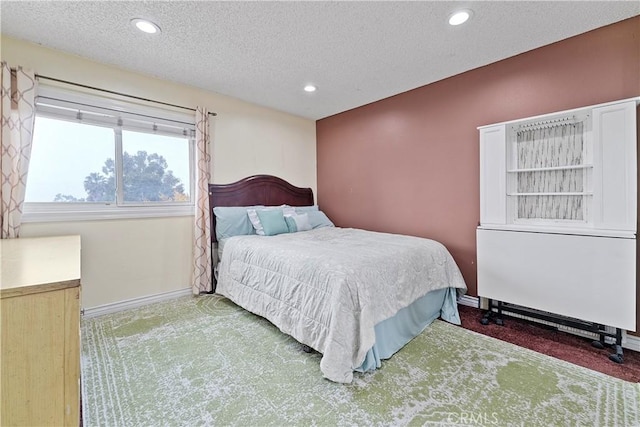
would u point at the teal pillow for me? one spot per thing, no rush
(291, 224)
(272, 221)
(305, 209)
(319, 219)
(255, 219)
(232, 221)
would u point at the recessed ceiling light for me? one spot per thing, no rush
(310, 88)
(145, 26)
(459, 17)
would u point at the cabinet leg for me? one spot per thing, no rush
(487, 317)
(492, 316)
(618, 356)
(600, 344)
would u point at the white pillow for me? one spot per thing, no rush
(255, 220)
(302, 222)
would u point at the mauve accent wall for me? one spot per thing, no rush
(410, 163)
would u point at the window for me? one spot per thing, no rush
(98, 157)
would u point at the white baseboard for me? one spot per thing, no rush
(630, 342)
(633, 343)
(133, 303)
(468, 301)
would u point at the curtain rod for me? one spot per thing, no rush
(53, 79)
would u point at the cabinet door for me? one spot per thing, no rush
(40, 359)
(33, 383)
(585, 277)
(615, 169)
(493, 209)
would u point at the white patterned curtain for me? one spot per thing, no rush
(558, 151)
(18, 114)
(201, 280)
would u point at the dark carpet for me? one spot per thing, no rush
(554, 343)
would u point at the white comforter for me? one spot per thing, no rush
(329, 287)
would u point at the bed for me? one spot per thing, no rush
(355, 296)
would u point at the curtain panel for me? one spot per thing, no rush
(202, 271)
(18, 114)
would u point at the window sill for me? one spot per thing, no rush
(48, 212)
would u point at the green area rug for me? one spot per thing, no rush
(205, 362)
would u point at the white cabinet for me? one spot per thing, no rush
(493, 179)
(615, 175)
(567, 172)
(558, 213)
(40, 324)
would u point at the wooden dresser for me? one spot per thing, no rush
(40, 324)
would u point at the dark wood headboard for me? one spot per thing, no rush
(264, 190)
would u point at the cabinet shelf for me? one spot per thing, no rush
(574, 193)
(551, 168)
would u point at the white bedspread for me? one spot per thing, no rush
(329, 287)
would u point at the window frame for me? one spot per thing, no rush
(121, 115)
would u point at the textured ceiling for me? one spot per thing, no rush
(265, 52)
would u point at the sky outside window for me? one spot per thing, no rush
(63, 154)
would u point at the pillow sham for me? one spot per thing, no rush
(233, 221)
(297, 223)
(319, 219)
(272, 221)
(305, 209)
(255, 219)
(221, 244)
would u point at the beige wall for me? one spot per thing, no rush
(125, 259)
